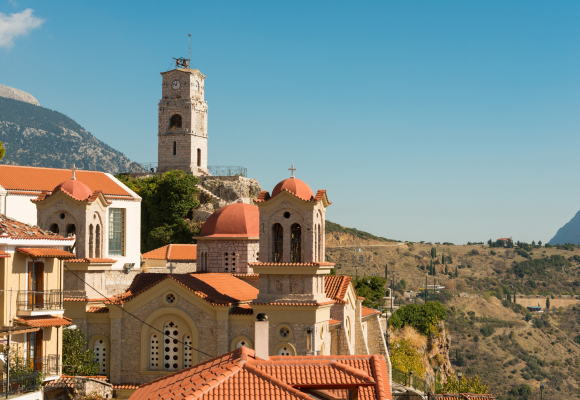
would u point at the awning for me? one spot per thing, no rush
(45, 252)
(15, 330)
(3, 254)
(44, 321)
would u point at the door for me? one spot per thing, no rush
(35, 285)
(38, 350)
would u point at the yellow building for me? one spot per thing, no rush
(31, 309)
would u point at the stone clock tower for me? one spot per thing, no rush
(182, 122)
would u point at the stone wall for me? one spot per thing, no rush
(84, 386)
(75, 287)
(118, 281)
(246, 251)
(557, 302)
(232, 188)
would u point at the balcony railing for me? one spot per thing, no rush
(21, 383)
(411, 381)
(31, 300)
(49, 365)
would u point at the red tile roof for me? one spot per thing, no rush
(19, 230)
(242, 310)
(36, 252)
(173, 252)
(368, 311)
(468, 396)
(68, 381)
(3, 254)
(294, 303)
(295, 187)
(126, 386)
(334, 322)
(238, 220)
(92, 260)
(336, 286)
(98, 310)
(215, 288)
(313, 264)
(43, 321)
(34, 180)
(239, 374)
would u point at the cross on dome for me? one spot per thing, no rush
(73, 169)
(292, 169)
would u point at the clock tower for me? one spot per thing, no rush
(182, 122)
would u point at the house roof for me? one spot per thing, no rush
(242, 310)
(239, 374)
(33, 180)
(3, 254)
(365, 311)
(238, 220)
(215, 288)
(37, 252)
(44, 321)
(92, 260)
(173, 252)
(68, 381)
(19, 230)
(98, 310)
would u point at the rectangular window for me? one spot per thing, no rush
(116, 231)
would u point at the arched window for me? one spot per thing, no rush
(54, 228)
(171, 353)
(71, 230)
(315, 243)
(187, 351)
(296, 243)
(320, 255)
(154, 352)
(98, 242)
(278, 235)
(174, 148)
(199, 157)
(285, 351)
(175, 121)
(91, 241)
(101, 355)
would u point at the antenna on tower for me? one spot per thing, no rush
(189, 34)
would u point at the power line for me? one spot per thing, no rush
(137, 318)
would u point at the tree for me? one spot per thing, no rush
(456, 272)
(433, 252)
(468, 385)
(528, 317)
(2, 151)
(425, 318)
(547, 303)
(446, 270)
(405, 358)
(75, 359)
(332, 272)
(539, 243)
(403, 284)
(443, 259)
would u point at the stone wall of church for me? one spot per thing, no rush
(241, 330)
(360, 345)
(246, 251)
(118, 282)
(376, 335)
(75, 287)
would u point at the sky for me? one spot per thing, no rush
(447, 121)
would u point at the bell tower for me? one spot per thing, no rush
(182, 129)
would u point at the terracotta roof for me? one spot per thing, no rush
(82, 299)
(68, 381)
(245, 275)
(43, 321)
(35, 180)
(92, 260)
(468, 396)
(119, 386)
(98, 310)
(36, 252)
(314, 264)
(239, 374)
(336, 286)
(295, 187)
(238, 220)
(368, 311)
(215, 288)
(334, 322)
(74, 188)
(3, 254)
(242, 310)
(19, 230)
(294, 303)
(173, 252)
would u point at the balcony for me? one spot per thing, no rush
(49, 365)
(29, 302)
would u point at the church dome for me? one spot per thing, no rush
(235, 220)
(75, 188)
(295, 186)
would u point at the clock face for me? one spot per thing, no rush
(175, 85)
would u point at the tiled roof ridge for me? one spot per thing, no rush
(11, 227)
(352, 371)
(227, 372)
(377, 370)
(283, 385)
(168, 253)
(311, 264)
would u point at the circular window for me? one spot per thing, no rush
(61, 215)
(284, 332)
(170, 298)
(285, 351)
(286, 215)
(242, 343)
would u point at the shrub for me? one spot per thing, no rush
(405, 358)
(487, 331)
(424, 318)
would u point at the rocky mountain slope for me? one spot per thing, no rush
(17, 94)
(569, 233)
(37, 136)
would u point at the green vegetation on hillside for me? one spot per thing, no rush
(425, 318)
(372, 288)
(334, 227)
(166, 202)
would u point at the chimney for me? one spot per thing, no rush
(261, 335)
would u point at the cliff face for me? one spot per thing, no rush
(437, 354)
(17, 94)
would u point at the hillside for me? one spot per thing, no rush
(37, 136)
(332, 227)
(569, 233)
(546, 351)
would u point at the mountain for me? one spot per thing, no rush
(17, 94)
(37, 136)
(332, 227)
(569, 233)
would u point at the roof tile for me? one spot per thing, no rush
(44, 321)
(16, 229)
(36, 252)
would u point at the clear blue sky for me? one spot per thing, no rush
(439, 121)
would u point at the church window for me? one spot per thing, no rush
(278, 234)
(174, 148)
(233, 262)
(320, 255)
(91, 241)
(54, 228)
(241, 343)
(296, 244)
(170, 298)
(71, 230)
(199, 157)
(226, 261)
(286, 215)
(284, 332)
(61, 216)
(101, 355)
(285, 351)
(315, 243)
(197, 85)
(98, 241)
(154, 355)
(116, 231)
(171, 354)
(175, 121)
(187, 351)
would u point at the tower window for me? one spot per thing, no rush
(278, 234)
(116, 231)
(54, 228)
(296, 243)
(174, 148)
(175, 121)
(199, 157)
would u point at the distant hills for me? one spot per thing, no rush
(36, 136)
(569, 233)
(334, 227)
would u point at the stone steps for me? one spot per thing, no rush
(210, 194)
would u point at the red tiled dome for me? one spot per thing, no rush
(235, 220)
(75, 188)
(296, 186)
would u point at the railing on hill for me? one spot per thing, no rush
(411, 380)
(213, 170)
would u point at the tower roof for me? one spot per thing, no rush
(75, 188)
(296, 187)
(238, 220)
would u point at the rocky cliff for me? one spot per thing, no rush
(16, 94)
(437, 354)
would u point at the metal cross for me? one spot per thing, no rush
(292, 169)
(73, 169)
